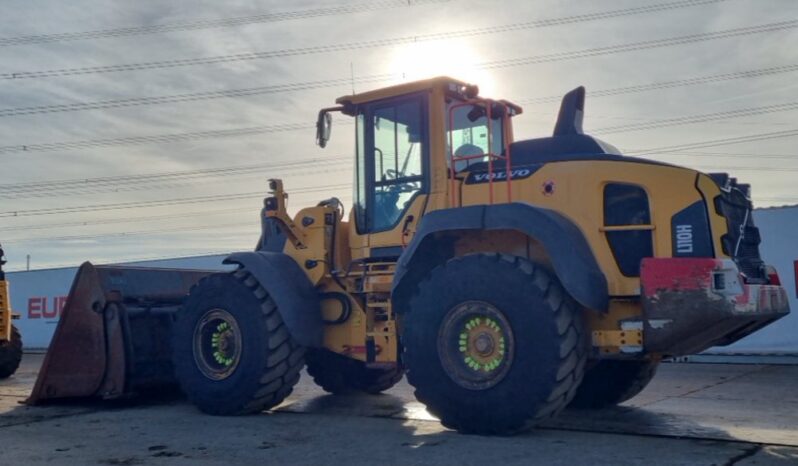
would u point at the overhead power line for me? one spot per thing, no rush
(717, 142)
(158, 176)
(748, 169)
(191, 97)
(156, 203)
(163, 181)
(376, 78)
(747, 74)
(329, 168)
(129, 205)
(644, 45)
(176, 137)
(691, 119)
(152, 139)
(212, 23)
(114, 221)
(50, 187)
(743, 155)
(162, 176)
(328, 48)
(124, 234)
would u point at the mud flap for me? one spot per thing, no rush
(692, 304)
(113, 337)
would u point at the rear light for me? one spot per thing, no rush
(773, 276)
(795, 264)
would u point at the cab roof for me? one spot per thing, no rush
(444, 82)
(449, 85)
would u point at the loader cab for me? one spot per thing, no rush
(408, 139)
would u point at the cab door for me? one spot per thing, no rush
(391, 169)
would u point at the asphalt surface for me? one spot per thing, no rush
(696, 414)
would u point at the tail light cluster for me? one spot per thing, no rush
(773, 275)
(795, 264)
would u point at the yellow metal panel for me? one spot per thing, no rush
(394, 237)
(343, 338)
(619, 311)
(439, 186)
(316, 241)
(628, 228)
(617, 338)
(385, 339)
(358, 244)
(577, 194)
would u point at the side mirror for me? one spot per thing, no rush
(323, 128)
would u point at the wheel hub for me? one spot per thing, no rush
(475, 345)
(483, 344)
(217, 344)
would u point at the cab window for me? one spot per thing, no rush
(467, 138)
(392, 146)
(627, 222)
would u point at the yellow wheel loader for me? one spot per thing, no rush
(10, 339)
(508, 279)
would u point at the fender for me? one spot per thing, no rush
(571, 256)
(297, 301)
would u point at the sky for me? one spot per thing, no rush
(148, 129)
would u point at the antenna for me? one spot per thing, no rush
(352, 75)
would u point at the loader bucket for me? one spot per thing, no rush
(113, 338)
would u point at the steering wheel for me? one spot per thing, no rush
(410, 187)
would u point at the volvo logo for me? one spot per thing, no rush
(499, 175)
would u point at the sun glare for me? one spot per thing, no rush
(441, 58)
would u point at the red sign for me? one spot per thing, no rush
(44, 308)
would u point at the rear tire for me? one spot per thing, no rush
(338, 374)
(493, 344)
(233, 354)
(10, 354)
(611, 382)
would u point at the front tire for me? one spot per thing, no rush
(493, 344)
(10, 354)
(233, 354)
(338, 374)
(611, 382)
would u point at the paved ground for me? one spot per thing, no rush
(691, 414)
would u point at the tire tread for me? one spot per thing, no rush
(572, 349)
(282, 365)
(10, 354)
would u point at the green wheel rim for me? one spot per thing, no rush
(475, 345)
(217, 344)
